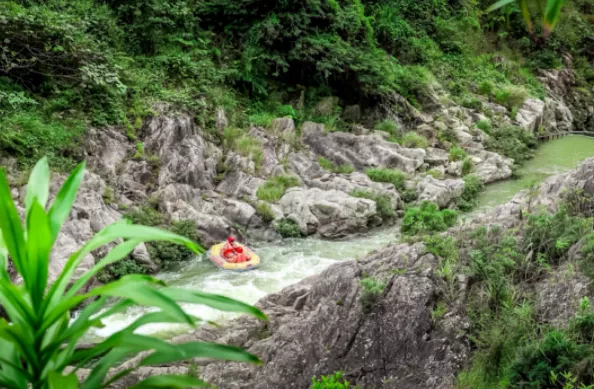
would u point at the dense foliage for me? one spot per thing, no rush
(105, 62)
(427, 218)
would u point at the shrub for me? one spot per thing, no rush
(435, 173)
(168, 254)
(414, 140)
(274, 189)
(392, 176)
(513, 142)
(44, 336)
(409, 195)
(427, 219)
(331, 167)
(262, 119)
(466, 166)
(372, 291)
(472, 190)
(457, 153)
(486, 88)
(553, 235)
(511, 96)
(287, 228)
(383, 203)
(391, 127)
(484, 125)
(335, 381)
(265, 212)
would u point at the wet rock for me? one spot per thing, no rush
(441, 192)
(332, 213)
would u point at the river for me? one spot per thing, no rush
(290, 261)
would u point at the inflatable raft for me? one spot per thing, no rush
(214, 254)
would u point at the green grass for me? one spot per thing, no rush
(274, 188)
(372, 289)
(457, 154)
(328, 165)
(427, 218)
(265, 212)
(414, 140)
(392, 176)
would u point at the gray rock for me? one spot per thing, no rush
(437, 156)
(361, 151)
(441, 192)
(221, 121)
(105, 150)
(490, 166)
(531, 113)
(352, 113)
(185, 156)
(331, 213)
(283, 126)
(327, 105)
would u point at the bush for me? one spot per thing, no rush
(472, 190)
(372, 291)
(484, 125)
(466, 166)
(391, 127)
(513, 142)
(263, 119)
(511, 96)
(265, 212)
(274, 189)
(334, 381)
(331, 167)
(383, 203)
(414, 140)
(553, 235)
(457, 154)
(427, 219)
(392, 176)
(36, 355)
(287, 228)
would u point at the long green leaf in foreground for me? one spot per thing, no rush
(39, 339)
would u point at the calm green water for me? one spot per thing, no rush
(287, 262)
(557, 156)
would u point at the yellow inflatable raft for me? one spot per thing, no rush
(214, 254)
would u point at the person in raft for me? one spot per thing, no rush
(232, 252)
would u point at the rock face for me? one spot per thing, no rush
(324, 324)
(331, 213)
(361, 150)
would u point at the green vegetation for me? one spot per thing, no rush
(243, 144)
(392, 176)
(466, 166)
(414, 140)
(383, 203)
(274, 189)
(372, 291)
(435, 173)
(513, 142)
(331, 167)
(484, 125)
(457, 154)
(391, 127)
(427, 219)
(164, 254)
(40, 335)
(472, 189)
(265, 212)
(287, 228)
(334, 381)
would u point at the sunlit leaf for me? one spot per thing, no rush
(170, 382)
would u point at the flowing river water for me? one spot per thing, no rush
(290, 261)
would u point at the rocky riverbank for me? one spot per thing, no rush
(412, 334)
(188, 173)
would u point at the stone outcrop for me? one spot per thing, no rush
(331, 213)
(361, 150)
(442, 192)
(324, 324)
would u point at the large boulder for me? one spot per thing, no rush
(361, 150)
(441, 192)
(490, 166)
(530, 114)
(331, 213)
